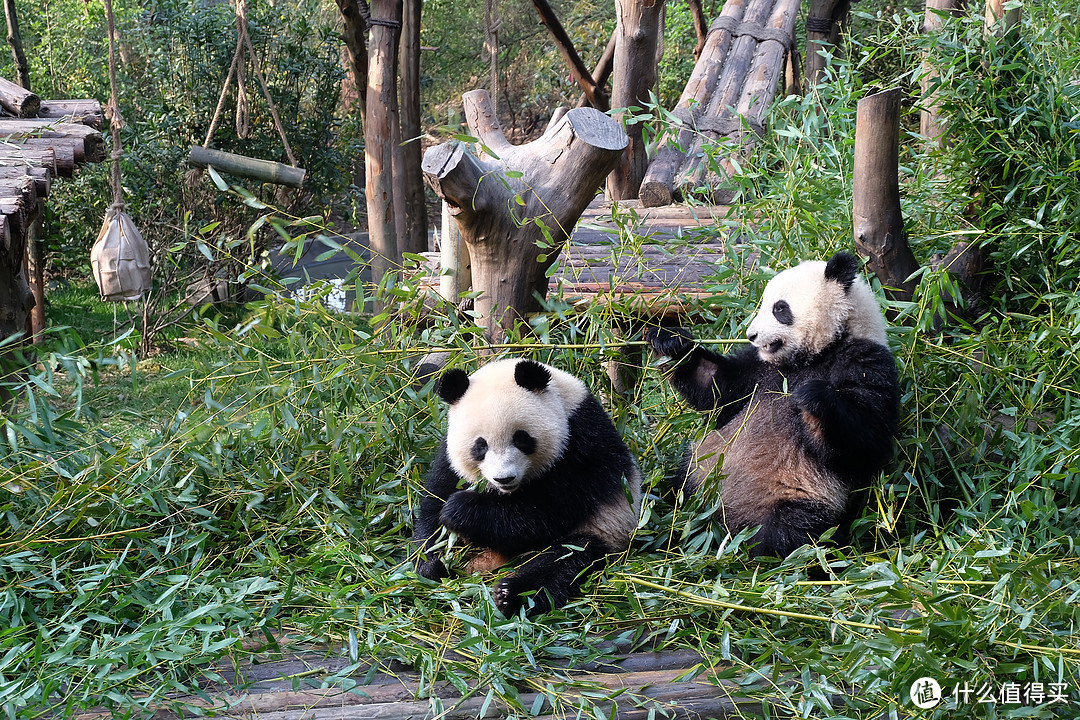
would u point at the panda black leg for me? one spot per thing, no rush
(553, 577)
(790, 525)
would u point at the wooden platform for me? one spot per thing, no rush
(324, 686)
(652, 262)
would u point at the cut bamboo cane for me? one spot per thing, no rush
(263, 170)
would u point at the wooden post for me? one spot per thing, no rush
(378, 137)
(416, 219)
(877, 219)
(454, 262)
(930, 123)
(638, 30)
(824, 24)
(504, 205)
(1000, 21)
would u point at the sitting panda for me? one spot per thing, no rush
(544, 471)
(805, 414)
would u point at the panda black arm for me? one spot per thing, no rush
(856, 406)
(441, 482)
(703, 378)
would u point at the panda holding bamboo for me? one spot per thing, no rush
(530, 465)
(805, 415)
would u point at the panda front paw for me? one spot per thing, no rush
(814, 396)
(508, 598)
(672, 342)
(456, 512)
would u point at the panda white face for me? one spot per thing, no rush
(509, 421)
(806, 308)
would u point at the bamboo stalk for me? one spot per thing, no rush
(264, 170)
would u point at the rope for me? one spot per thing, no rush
(821, 25)
(753, 30)
(112, 111)
(243, 40)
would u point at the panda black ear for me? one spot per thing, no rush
(531, 375)
(842, 268)
(452, 385)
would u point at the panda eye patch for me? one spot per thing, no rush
(479, 449)
(782, 312)
(524, 442)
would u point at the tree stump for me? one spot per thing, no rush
(516, 206)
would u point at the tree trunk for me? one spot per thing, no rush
(930, 123)
(602, 71)
(416, 220)
(877, 219)
(503, 206)
(354, 32)
(638, 30)
(595, 94)
(824, 24)
(14, 38)
(999, 20)
(378, 138)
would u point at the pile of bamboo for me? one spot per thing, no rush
(732, 85)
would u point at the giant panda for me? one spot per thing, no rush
(530, 463)
(805, 414)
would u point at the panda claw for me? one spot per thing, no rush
(506, 599)
(671, 341)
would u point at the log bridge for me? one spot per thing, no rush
(733, 83)
(39, 140)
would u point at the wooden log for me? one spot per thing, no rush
(754, 95)
(998, 20)
(82, 112)
(22, 156)
(17, 100)
(455, 276)
(634, 78)
(504, 206)
(264, 170)
(658, 186)
(65, 151)
(88, 143)
(877, 219)
(35, 275)
(931, 126)
(10, 176)
(16, 301)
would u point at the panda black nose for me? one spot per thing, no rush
(751, 336)
(503, 480)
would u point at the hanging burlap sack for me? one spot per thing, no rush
(120, 258)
